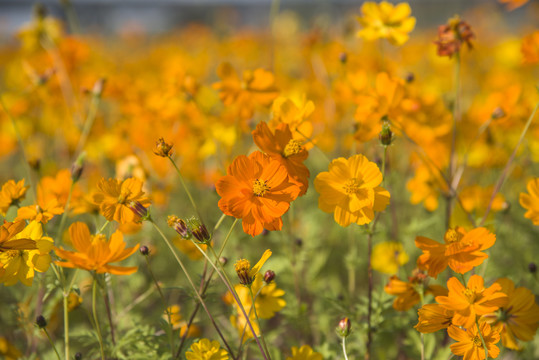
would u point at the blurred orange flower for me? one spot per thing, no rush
(94, 253)
(408, 292)
(46, 208)
(461, 250)
(11, 194)
(530, 201)
(257, 190)
(530, 48)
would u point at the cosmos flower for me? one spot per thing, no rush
(530, 201)
(205, 349)
(469, 343)
(11, 194)
(304, 353)
(433, 317)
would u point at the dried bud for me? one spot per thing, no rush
(41, 322)
(179, 226)
(144, 250)
(532, 268)
(162, 148)
(343, 58)
(139, 210)
(223, 260)
(497, 113)
(199, 230)
(77, 167)
(269, 276)
(386, 135)
(343, 329)
(78, 356)
(410, 77)
(452, 35)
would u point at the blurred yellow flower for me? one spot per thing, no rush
(11, 194)
(206, 350)
(304, 353)
(426, 186)
(350, 190)
(530, 201)
(386, 21)
(388, 256)
(8, 350)
(530, 48)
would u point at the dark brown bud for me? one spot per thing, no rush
(343, 58)
(139, 210)
(162, 148)
(144, 250)
(269, 276)
(78, 356)
(41, 322)
(532, 268)
(410, 77)
(223, 260)
(199, 230)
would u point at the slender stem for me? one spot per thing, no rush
(344, 347)
(109, 315)
(223, 217)
(452, 156)
(103, 227)
(505, 171)
(64, 215)
(193, 286)
(90, 118)
(193, 203)
(482, 339)
(253, 306)
(235, 296)
(96, 319)
(52, 343)
(167, 311)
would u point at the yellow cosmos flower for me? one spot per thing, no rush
(433, 317)
(386, 21)
(244, 271)
(20, 265)
(205, 349)
(94, 253)
(470, 345)
(388, 256)
(350, 190)
(268, 301)
(114, 196)
(304, 353)
(530, 201)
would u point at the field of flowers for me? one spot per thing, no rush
(365, 189)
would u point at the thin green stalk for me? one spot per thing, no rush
(258, 321)
(90, 118)
(66, 293)
(103, 227)
(64, 215)
(234, 295)
(170, 339)
(52, 343)
(482, 339)
(96, 318)
(452, 155)
(344, 347)
(193, 203)
(178, 260)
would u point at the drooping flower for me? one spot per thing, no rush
(257, 190)
(452, 35)
(470, 301)
(11, 194)
(461, 250)
(350, 190)
(530, 201)
(20, 265)
(246, 274)
(519, 318)
(386, 21)
(205, 349)
(408, 292)
(388, 256)
(94, 253)
(470, 345)
(304, 353)
(281, 146)
(114, 196)
(433, 317)
(162, 148)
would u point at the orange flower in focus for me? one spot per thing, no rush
(408, 293)
(114, 196)
(283, 148)
(470, 301)
(433, 317)
(11, 194)
(94, 253)
(350, 190)
(461, 250)
(256, 189)
(470, 345)
(530, 201)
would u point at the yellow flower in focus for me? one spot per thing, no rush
(20, 265)
(530, 201)
(206, 350)
(386, 21)
(267, 302)
(304, 353)
(9, 240)
(244, 271)
(114, 196)
(350, 190)
(388, 256)
(94, 253)
(11, 194)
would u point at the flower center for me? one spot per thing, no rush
(242, 268)
(470, 295)
(260, 187)
(292, 148)
(99, 237)
(122, 199)
(10, 254)
(352, 186)
(477, 341)
(452, 236)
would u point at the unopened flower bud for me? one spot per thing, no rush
(199, 230)
(162, 148)
(343, 58)
(343, 329)
(298, 242)
(179, 226)
(223, 260)
(410, 77)
(41, 322)
(98, 87)
(497, 113)
(77, 167)
(78, 356)
(242, 268)
(269, 276)
(532, 268)
(144, 250)
(386, 135)
(139, 210)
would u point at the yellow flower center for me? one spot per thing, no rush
(477, 341)
(471, 295)
(260, 187)
(352, 186)
(292, 148)
(10, 254)
(122, 199)
(452, 236)
(99, 237)
(242, 268)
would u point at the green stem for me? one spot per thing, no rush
(482, 339)
(103, 227)
(96, 319)
(64, 215)
(178, 260)
(90, 118)
(52, 343)
(187, 190)
(258, 321)
(344, 347)
(452, 155)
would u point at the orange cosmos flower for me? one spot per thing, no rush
(433, 317)
(461, 250)
(114, 196)
(9, 240)
(350, 190)
(46, 208)
(94, 253)
(426, 186)
(519, 318)
(469, 343)
(408, 293)
(530, 201)
(11, 194)
(256, 189)
(530, 48)
(472, 300)
(283, 148)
